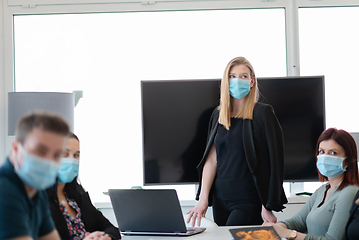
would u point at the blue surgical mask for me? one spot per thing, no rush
(330, 166)
(39, 173)
(239, 88)
(68, 170)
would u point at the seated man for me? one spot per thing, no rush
(30, 168)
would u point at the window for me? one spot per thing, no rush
(329, 46)
(107, 55)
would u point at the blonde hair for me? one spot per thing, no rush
(225, 108)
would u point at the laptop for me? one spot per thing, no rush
(149, 212)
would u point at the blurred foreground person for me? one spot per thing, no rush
(30, 168)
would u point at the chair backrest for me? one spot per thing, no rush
(205, 222)
(356, 138)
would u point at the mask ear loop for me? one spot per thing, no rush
(346, 165)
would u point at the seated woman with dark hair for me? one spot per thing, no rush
(72, 211)
(326, 212)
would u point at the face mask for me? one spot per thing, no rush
(330, 166)
(239, 88)
(39, 173)
(68, 170)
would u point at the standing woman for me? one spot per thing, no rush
(241, 172)
(72, 211)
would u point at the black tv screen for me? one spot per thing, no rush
(176, 113)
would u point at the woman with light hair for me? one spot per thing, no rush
(241, 172)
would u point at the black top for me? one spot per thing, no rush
(351, 231)
(264, 150)
(92, 218)
(234, 179)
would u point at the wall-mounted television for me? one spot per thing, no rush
(175, 116)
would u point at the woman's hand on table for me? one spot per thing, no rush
(197, 212)
(97, 235)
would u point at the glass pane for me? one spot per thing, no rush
(107, 55)
(329, 46)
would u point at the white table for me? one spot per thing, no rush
(292, 207)
(213, 233)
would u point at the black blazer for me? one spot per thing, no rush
(264, 150)
(92, 218)
(353, 212)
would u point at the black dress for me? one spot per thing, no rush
(236, 200)
(234, 179)
(264, 151)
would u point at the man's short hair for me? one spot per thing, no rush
(42, 120)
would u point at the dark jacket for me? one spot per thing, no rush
(353, 213)
(264, 150)
(92, 218)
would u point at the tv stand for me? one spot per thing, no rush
(295, 187)
(304, 194)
